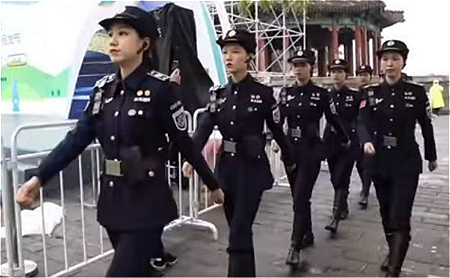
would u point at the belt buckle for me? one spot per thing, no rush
(113, 168)
(297, 133)
(390, 141)
(229, 146)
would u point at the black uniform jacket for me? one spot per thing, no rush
(130, 118)
(347, 106)
(303, 106)
(240, 110)
(388, 117)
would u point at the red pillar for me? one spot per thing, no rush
(376, 47)
(364, 44)
(358, 45)
(334, 41)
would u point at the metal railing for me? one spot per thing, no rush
(12, 211)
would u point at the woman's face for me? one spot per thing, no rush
(125, 45)
(302, 71)
(364, 78)
(235, 58)
(392, 64)
(338, 75)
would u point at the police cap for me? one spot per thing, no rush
(241, 37)
(302, 56)
(137, 18)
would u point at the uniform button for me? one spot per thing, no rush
(300, 104)
(295, 139)
(391, 119)
(231, 123)
(112, 138)
(232, 154)
(393, 94)
(301, 94)
(287, 105)
(256, 108)
(298, 116)
(116, 113)
(111, 184)
(392, 106)
(389, 147)
(234, 107)
(235, 92)
(122, 92)
(375, 133)
(338, 95)
(390, 133)
(231, 139)
(140, 112)
(151, 173)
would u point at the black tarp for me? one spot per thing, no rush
(178, 45)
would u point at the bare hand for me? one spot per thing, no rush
(187, 170)
(217, 196)
(175, 76)
(29, 192)
(432, 165)
(369, 149)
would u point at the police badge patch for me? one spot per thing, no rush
(179, 119)
(276, 115)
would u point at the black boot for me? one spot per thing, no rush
(334, 221)
(385, 263)
(344, 203)
(293, 257)
(308, 240)
(241, 264)
(363, 201)
(397, 253)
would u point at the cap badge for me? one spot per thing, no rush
(231, 33)
(390, 43)
(300, 53)
(337, 62)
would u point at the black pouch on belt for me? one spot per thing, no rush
(133, 166)
(252, 147)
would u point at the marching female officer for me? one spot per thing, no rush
(240, 109)
(303, 105)
(129, 113)
(364, 162)
(388, 115)
(341, 158)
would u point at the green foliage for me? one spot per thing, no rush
(247, 7)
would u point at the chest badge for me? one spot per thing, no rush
(255, 98)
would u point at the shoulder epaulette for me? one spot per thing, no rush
(414, 83)
(105, 79)
(216, 88)
(158, 75)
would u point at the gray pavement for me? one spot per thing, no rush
(356, 250)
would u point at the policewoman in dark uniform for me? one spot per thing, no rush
(240, 109)
(130, 113)
(303, 105)
(388, 115)
(364, 162)
(341, 158)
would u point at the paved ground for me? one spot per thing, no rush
(357, 249)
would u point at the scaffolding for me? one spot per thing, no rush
(267, 19)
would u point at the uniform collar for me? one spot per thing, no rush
(398, 84)
(247, 78)
(134, 80)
